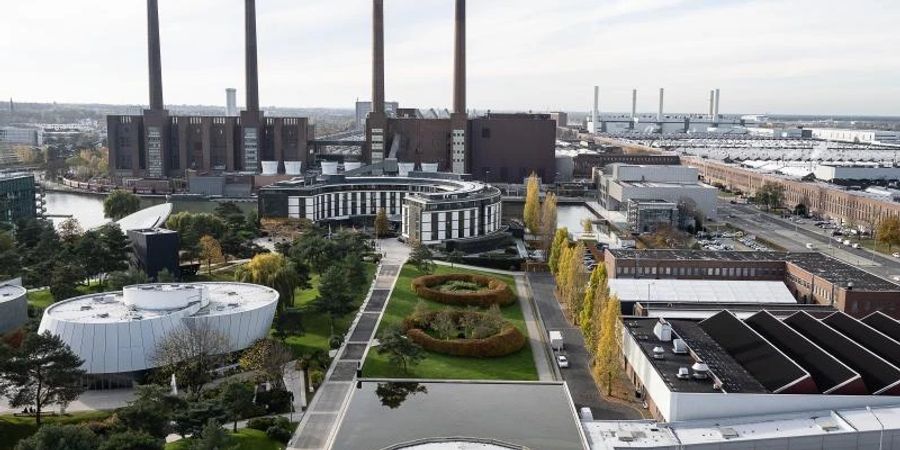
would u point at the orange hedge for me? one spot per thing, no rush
(495, 292)
(509, 340)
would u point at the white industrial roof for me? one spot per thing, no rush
(714, 291)
(605, 435)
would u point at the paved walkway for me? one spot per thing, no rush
(321, 419)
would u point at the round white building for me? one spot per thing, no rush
(118, 332)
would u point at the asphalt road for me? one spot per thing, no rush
(793, 237)
(577, 375)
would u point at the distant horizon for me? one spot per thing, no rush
(800, 57)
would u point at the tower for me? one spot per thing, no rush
(459, 119)
(251, 117)
(376, 122)
(156, 118)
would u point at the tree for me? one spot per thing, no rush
(401, 351)
(455, 257)
(38, 246)
(192, 226)
(587, 225)
(119, 204)
(267, 357)
(594, 294)
(690, 217)
(888, 231)
(43, 371)
(563, 269)
(608, 350)
(335, 298)
(548, 221)
(64, 278)
(151, 412)
(355, 273)
(315, 250)
(56, 437)
(272, 270)
(532, 213)
(116, 248)
(132, 440)
(236, 399)
(382, 225)
(213, 437)
(119, 279)
(421, 257)
(70, 230)
(9, 257)
(560, 239)
(575, 283)
(210, 251)
(770, 195)
(164, 276)
(191, 352)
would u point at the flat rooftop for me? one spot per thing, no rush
(701, 291)
(109, 307)
(381, 414)
(816, 263)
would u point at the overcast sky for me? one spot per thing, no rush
(779, 56)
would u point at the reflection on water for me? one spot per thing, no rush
(88, 209)
(393, 393)
(568, 216)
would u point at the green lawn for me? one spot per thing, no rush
(518, 366)
(246, 439)
(13, 429)
(317, 326)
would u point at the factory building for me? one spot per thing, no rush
(11, 136)
(812, 277)
(157, 145)
(856, 136)
(620, 183)
(494, 147)
(724, 367)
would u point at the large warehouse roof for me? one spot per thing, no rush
(707, 291)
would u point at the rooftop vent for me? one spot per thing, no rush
(701, 370)
(683, 373)
(679, 347)
(86, 307)
(625, 435)
(663, 331)
(658, 352)
(234, 305)
(729, 433)
(827, 424)
(103, 315)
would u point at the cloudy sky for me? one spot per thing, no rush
(778, 56)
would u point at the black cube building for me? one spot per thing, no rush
(156, 249)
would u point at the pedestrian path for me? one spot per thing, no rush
(322, 417)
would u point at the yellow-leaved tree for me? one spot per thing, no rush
(576, 282)
(532, 213)
(548, 221)
(560, 239)
(606, 363)
(594, 294)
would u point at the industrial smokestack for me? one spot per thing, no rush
(459, 59)
(633, 105)
(659, 115)
(712, 101)
(378, 56)
(250, 55)
(716, 110)
(595, 112)
(155, 64)
(231, 102)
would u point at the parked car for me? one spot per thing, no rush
(810, 245)
(562, 361)
(855, 245)
(896, 254)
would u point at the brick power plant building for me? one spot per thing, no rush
(493, 147)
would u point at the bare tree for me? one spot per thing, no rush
(191, 352)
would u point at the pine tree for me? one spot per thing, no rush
(608, 351)
(559, 239)
(532, 213)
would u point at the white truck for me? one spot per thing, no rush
(556, 340)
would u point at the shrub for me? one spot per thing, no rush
(502, 337)
(492, 291)
(279, 434)
(261, 423)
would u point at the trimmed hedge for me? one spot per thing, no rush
(495, 292)
(509, 340)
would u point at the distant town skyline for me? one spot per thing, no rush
(811, 57)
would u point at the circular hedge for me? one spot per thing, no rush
(507, 341)
(494, 292)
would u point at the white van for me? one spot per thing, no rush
(810, 245)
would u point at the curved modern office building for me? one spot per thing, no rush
(13, 305)
(429, 208)
(118, 332)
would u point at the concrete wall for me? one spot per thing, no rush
(508, 148)
(13, 309)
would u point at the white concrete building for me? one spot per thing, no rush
(856, 136)
(830, 172)
(117, 333)
(620, 183)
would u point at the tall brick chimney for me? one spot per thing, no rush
(155, 64)
(252, 74)
(459, 58)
